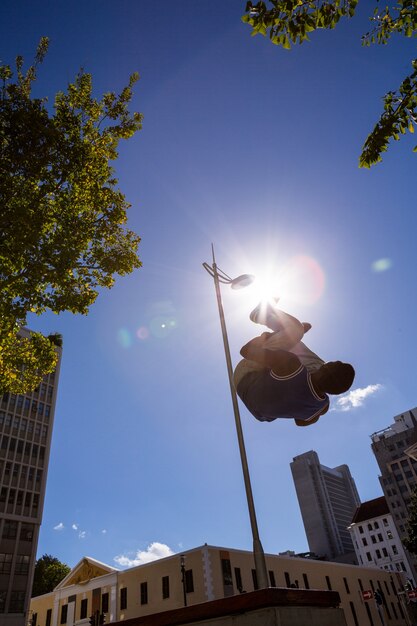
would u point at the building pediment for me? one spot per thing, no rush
(84, 571)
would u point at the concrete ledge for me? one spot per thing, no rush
(272, 598)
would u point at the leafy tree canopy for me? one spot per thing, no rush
(49, 571)
(291, 21)
(62, 216)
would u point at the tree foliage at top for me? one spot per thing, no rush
(291, 22)
(62, 217)
(49, 571)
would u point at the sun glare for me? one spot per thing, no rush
(300, 280)
(266, 287)
(304, 280)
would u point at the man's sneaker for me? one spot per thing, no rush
(263, 311)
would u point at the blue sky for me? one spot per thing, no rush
(255, 149)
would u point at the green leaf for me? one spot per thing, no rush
(49, 572)
(59, 198)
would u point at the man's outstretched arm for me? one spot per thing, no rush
(279, 361)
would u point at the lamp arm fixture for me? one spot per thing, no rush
(222, 276)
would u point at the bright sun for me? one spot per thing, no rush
(300, 280)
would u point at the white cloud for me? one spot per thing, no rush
(74, 527)
(59, 526)
(153, 552)
(104, 531)
(355, 398)
(82, 534)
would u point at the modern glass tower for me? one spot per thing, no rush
(328, 499)
(26, 423)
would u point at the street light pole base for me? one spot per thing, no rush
(260, 564)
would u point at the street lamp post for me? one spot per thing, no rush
(241, 281)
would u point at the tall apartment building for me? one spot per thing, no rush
(328, 499)
(26, 422)
(398, 469)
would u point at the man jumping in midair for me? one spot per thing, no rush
(279, 377)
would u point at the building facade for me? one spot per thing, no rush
(398, 469)
(376, 539)
(211, 573)
(328, 499)
(26, 422)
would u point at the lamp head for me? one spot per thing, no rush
(242, 281)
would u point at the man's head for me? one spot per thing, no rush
(334, 377)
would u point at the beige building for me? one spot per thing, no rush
(26, 422)
(209, 573)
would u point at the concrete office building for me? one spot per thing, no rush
(398, 469)
(210, 573)
(26, 422)
(328, 499)
(376, 540)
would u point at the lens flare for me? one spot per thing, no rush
(124, 338)
(381, 265)
(142, 333)
(303, 280)
(161, 326)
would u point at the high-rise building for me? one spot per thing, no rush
(328, 499)
(391, 448)
(398, 469)
(26, 422)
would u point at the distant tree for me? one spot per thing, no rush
(410, 541)
(62, 216)
(291, 21)
(49, 571)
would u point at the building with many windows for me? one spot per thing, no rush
(398, 469)
(328, 499)
(26, 422)
(209, 573)
(376, 540)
